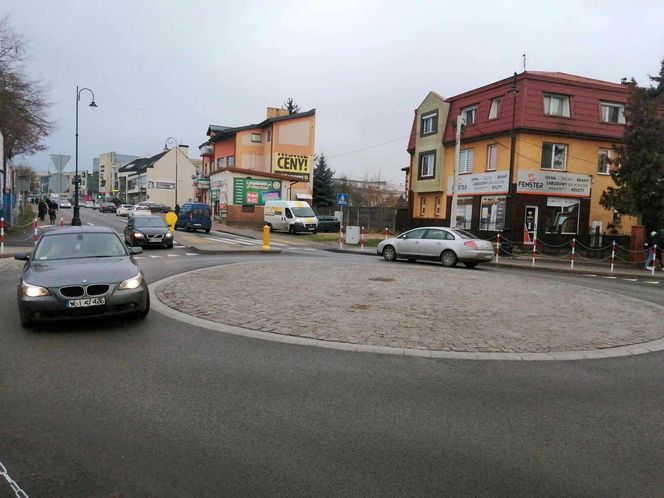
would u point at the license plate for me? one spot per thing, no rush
(197, 224)
(85, 303)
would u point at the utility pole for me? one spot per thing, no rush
(509, 199)
(461, 123)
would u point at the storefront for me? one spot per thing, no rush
(481, 201)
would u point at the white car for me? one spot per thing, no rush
(65, 204)
(139, 211)
(123, 209)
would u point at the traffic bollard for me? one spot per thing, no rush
(266, 238)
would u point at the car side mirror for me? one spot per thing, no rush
(22, 256)
(403, 237)
(135, 250)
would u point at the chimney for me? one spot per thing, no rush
(275, 112)
(184, 149)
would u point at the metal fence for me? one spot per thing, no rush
(375, 219)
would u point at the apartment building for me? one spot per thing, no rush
(565, 128)
(244, 166)
(108, 165)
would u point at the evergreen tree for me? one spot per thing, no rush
(639, 171)
(292, 107)
(323, 189)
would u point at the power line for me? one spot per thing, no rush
(369, 147)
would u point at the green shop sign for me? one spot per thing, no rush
(250, 192)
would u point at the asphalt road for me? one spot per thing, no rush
(162, 408)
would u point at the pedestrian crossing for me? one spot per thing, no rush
(608, 277)
(242, 241)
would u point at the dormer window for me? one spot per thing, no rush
(613, 113)
(429, 123)
(495, 108)
(470, 113)
(556, 105)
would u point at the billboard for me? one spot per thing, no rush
(297, 165)
(496, 182)
(250, 192)
(553, 183)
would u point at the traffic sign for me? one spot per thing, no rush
(342, 199)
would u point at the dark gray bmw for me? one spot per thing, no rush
(78, 272)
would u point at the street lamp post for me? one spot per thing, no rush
(76, 219)
(177, 150)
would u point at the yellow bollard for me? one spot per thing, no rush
(170, 218)
(266, 238)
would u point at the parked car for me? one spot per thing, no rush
(123, 209)
(291, 216)
(194, 216)
(156, 207)
(88, 204)
(449, 245)
(328, 223)
(139, 210)
(65, 204)
(77, 272)
(107, 207)
(148, 231)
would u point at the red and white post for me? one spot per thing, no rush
(534, 250)
(571, 263)
(361, 238)
(34, 237)
(62, 222)
(386, 230)
(2, 235)
(654, 259)
(497, 246)
(613, 254)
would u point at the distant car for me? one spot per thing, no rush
(194, 216)
(328, 223)
(87, 204)
(123, 209)
(448, 245)
(155, 207)
(78, 272)
(139, 210)
(107, 207)
(148, 231)
(65, 204)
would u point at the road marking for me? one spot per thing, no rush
(153, 256)
(652, 282)
(139, 257)
(589, 275)
(91, 224)
(173, 255)
(609, 277)
(631, 279)
(191, 254)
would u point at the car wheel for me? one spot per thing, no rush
(471, 264)
(169, 246)
(26, 323)
(389, 253)
(291, 229)
(142, 314)
(207, 230)
(315, 232)
(448, 258)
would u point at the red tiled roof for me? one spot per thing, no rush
(585, 97)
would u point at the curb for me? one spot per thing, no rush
(569, 271)
(348, 251)
(238, 250)
(620, 351)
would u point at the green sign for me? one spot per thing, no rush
(214, 194)
(250, 192)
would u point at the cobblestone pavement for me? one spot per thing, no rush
(408, 306)
(10, 264)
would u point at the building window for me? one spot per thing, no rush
(269, 135)
(464, 214)
(429, 124)
(470, 113)
(466, 161)
(491, 157)
(553, 156)
(256, 137)
(561, 215)
(495, 108)
(423, 206)
(604, 161)
(613, 113)
(248, 209)
(492, 213)
(427, 165)
(437, 206)
(230, 161)
(221, 162)
(556, 105)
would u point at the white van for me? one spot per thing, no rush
(290, 216)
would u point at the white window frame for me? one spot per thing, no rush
(603, 151)
(221, 162)
(256, 138)
(437, 206)
(489, 166)
(466, 157)
(431, 165)
(470, 113)
(494, 109)
(428, 123)
(605, 112)
(565, 106)
(423, 206)
(550, 164)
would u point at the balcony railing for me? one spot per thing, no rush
(206, 150)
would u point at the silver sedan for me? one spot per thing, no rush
(447, 245)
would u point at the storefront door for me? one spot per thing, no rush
(530, 224)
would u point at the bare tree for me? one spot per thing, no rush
(23, 105)
(292, 107)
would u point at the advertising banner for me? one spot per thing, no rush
(250, 192)
(553, 183)
(292, 165)
(496, 182)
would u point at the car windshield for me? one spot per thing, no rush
(302, 212)
(79, 245)
(463, 234)
(150, 222)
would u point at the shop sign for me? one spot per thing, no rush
(164, 185)
(297, 165)
(549, 183)
(496, 182)
(250, 192)
(203, 184)
(214, 195)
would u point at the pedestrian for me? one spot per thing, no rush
(177, 208)
(52, 210)
(42, 209)
(654, 250)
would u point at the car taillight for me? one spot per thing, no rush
(471, 244)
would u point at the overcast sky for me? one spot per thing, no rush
(166, 68)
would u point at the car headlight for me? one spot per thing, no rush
(169, 234)
(33, 290)
(132, 283)
(299, 220)
(138, 235)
